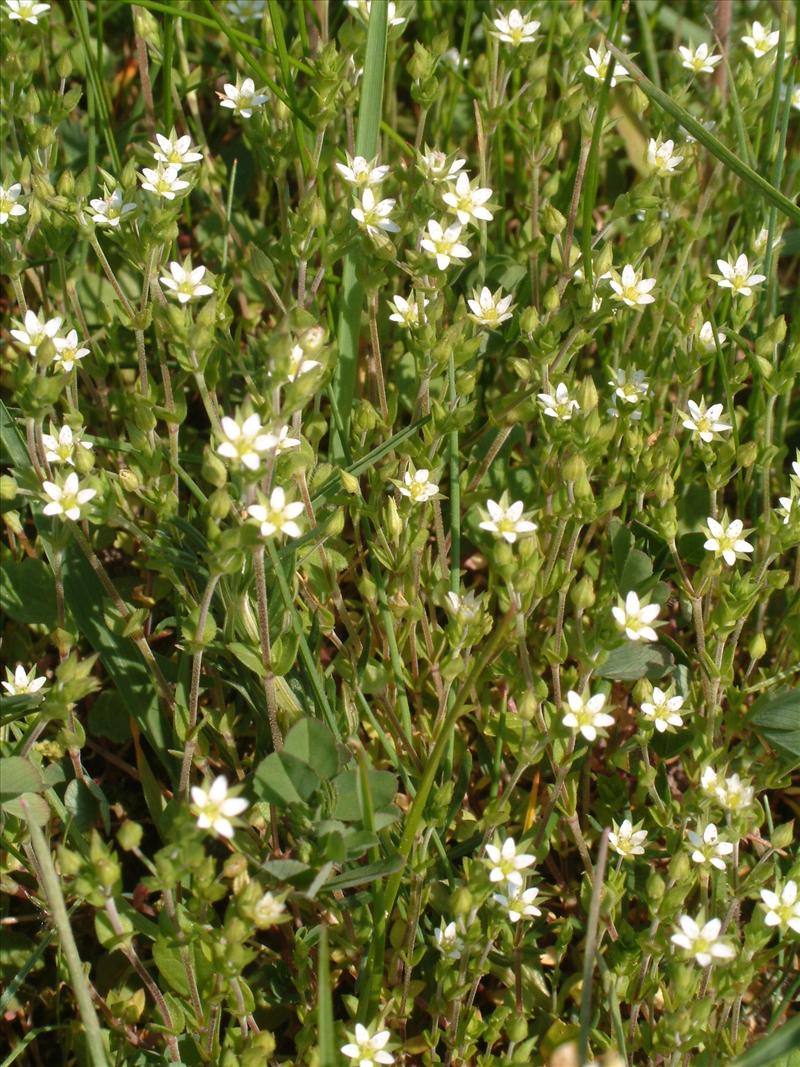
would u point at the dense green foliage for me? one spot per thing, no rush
(401, 515)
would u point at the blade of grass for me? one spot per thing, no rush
(352, 292)
(590, 946)
(167, 45)
(708, 140)
(326, 1052)
(276, 19)
(96, 82)
(60, 918)
(648, 44)
(593, 162)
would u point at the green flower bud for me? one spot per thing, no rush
(665, 487)
(64, 66)
(582, 593)
(219, 504)
(551, 300)
(394, 524)
(655, 888)
(552, 138)
(69, 862)
(679, 867)
(84, 460)
(350, 483)
(129, 479)
(651, 234)
(527, 706)
(129, 835)
(213, 469)
(747, 454)
(574, 468)
(461, 901)
(757, 646)
(8, 487)
(639, 102)
(529, 320)
(517, 1028)
(553, 221)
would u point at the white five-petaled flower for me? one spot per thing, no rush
(625, 840)
(737, 277)
(111, 209)
(362, 9)
(361, 172)
(703, 943)
(299, 365)
(783, 910)
(518, 903)
(559, 405)
(175, 151)
(26, 10)
(506, 521)
(490, 309)
(661, 157)
(587, 716)
(33, 330)
(631, 288)
(436, 165)
(417, 486)
(514, 28)
(373, 215)
(734, 794)
(246, 10)
(761, 39)
(505, 863)
(406, 312)
(66, 499)
(185, 282)
(215, 808)
(725, 539)
(365, 1049)
(68, 351)
(705, 337)
(468, 203)
(268, 910)
(635, 618)
(60, 447)
(465, 609)
(597, 66)
(709, 781)
(10, 206)
(22, 682)
(443, 244)
(244, 443)
(165, 182)
(280, 441)
(242, 98)
(663, 710)
(278, 516)
(630, 386)
(704, 422)
(448, 941)
(707, 847)
(700, 60)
